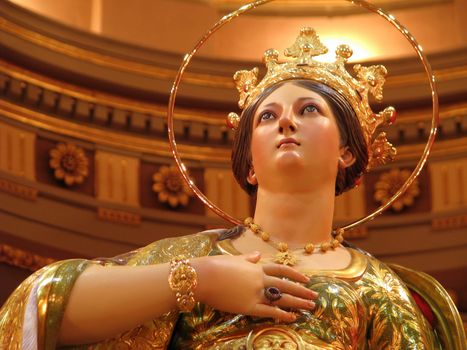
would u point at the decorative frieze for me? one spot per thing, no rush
(450, 222)
(119, 216)
(18, 190)
(23, 258)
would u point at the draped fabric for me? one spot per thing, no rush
(364, 306)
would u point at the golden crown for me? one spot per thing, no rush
(303, 66)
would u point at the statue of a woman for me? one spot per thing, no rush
(284, 280)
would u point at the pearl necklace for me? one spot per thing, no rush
(285, 256)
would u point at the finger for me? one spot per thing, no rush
(262, 310)
(285, 271)
(288, 301)
(253, 257)
(293, 288)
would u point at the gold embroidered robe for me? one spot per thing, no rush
(364, 306)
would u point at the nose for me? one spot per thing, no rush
(287, 122)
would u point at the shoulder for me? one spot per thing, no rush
(382, 286)
(189, 246)
(397, 321)
(379, 273)
(378, 277)
(374, 267)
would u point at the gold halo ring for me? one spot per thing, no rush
(226, 19)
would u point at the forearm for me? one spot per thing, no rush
(108, 300)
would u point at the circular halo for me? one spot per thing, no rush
(226, 19)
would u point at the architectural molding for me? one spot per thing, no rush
(119, 216)
(449, 222)
(22, 258)
(18, 190)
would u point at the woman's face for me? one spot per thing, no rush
(294, 136)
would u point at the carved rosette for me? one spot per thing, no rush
(171, 187)
(69, 163)
(390, 182)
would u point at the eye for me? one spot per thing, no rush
(309, 109)
(266, 116)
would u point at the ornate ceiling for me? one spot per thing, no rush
(162, 25)
(314, 7)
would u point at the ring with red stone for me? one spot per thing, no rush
(272, 294)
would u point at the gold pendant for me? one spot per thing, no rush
(285, 258)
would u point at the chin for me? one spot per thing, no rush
(290, 161)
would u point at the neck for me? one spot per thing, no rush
(296, 218)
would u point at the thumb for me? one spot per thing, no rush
(253, 257)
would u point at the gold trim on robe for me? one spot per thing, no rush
(356, 268)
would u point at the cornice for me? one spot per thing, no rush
(158, 147)
(201, 133)
(97, 97)
(112, 139)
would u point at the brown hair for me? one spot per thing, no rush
(351, 135)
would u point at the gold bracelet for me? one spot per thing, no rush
(183, 280)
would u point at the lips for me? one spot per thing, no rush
(288, 140)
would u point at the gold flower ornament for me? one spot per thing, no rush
(171, 187)
(390, 182)
(69, 163)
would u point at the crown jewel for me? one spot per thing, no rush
(369, 80)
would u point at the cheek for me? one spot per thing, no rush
(325, 136)
(258, 147)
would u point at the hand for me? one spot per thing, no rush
(236, 284)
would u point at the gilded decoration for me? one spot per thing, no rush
(285, 258)
(171, 187)
(357, 233)
(271, 338)
(69, 163)
(356, 90)
(375, 311)
(390, 182)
